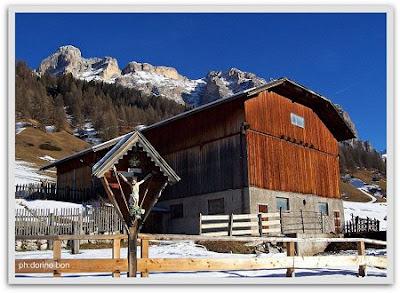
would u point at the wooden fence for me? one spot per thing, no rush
(305, 222)
(240, 224)
(67, 221)
(361, 225)
(51, 191)
(146, 265)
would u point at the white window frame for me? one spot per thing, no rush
(297, 120)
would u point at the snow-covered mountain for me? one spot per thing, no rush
(157, 80)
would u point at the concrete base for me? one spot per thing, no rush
(308, 203)
(309, 248)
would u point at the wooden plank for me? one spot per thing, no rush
(214, 217)
(376, 261)
(271, 230)
(70, 265)
(244, 224)
(245, 232)
(214, 225)
(270, 215)
(211, 264)
(56, 256)
(271, 223)
(221, 233)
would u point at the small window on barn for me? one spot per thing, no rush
(282, 203)
(176, 211)
(297, 120)
(216, 206)
(323, 208)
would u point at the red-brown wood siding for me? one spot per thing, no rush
(269, 113)
(285, 157)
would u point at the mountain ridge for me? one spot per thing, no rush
(162, 81)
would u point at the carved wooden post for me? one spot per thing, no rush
(290, 251)
(144, 250)
(132, 250)
(361, 252)
(116, 253)
(56, 256)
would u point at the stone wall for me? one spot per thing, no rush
(308, 203)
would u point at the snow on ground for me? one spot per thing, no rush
(188, 249)
(45, 204)
(366, 209)
(47, 158)
(20, 126)
(26, 173)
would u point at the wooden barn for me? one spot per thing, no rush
(269, 148)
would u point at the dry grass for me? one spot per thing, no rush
(227, 247)
(366, 176)
(352, 193)
(33, 143)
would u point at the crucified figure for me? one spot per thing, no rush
(134, 208)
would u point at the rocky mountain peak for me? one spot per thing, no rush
(68, 59)
(168, 72)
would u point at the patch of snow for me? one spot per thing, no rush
(366, 209)
(50, 128)
(47, 158)
(46, 204)
(88, 133)
(27, 173)
(21, 126)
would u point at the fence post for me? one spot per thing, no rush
(302, 220)
(367, 224)
(290, 251)
(56, 255)
(51, 230)
(260, 226)
(230, 226)
(144, 250)
(116, 253)
(200, 223)
(322, 223)
(361, 252)
(377, 225)
(75, 242)
(280, 218)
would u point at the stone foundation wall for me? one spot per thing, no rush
(308, 203)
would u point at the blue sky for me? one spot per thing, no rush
(341, 56)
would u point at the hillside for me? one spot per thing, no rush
(36, 146)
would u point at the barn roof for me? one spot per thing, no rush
(323, 107)
(126, 144)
